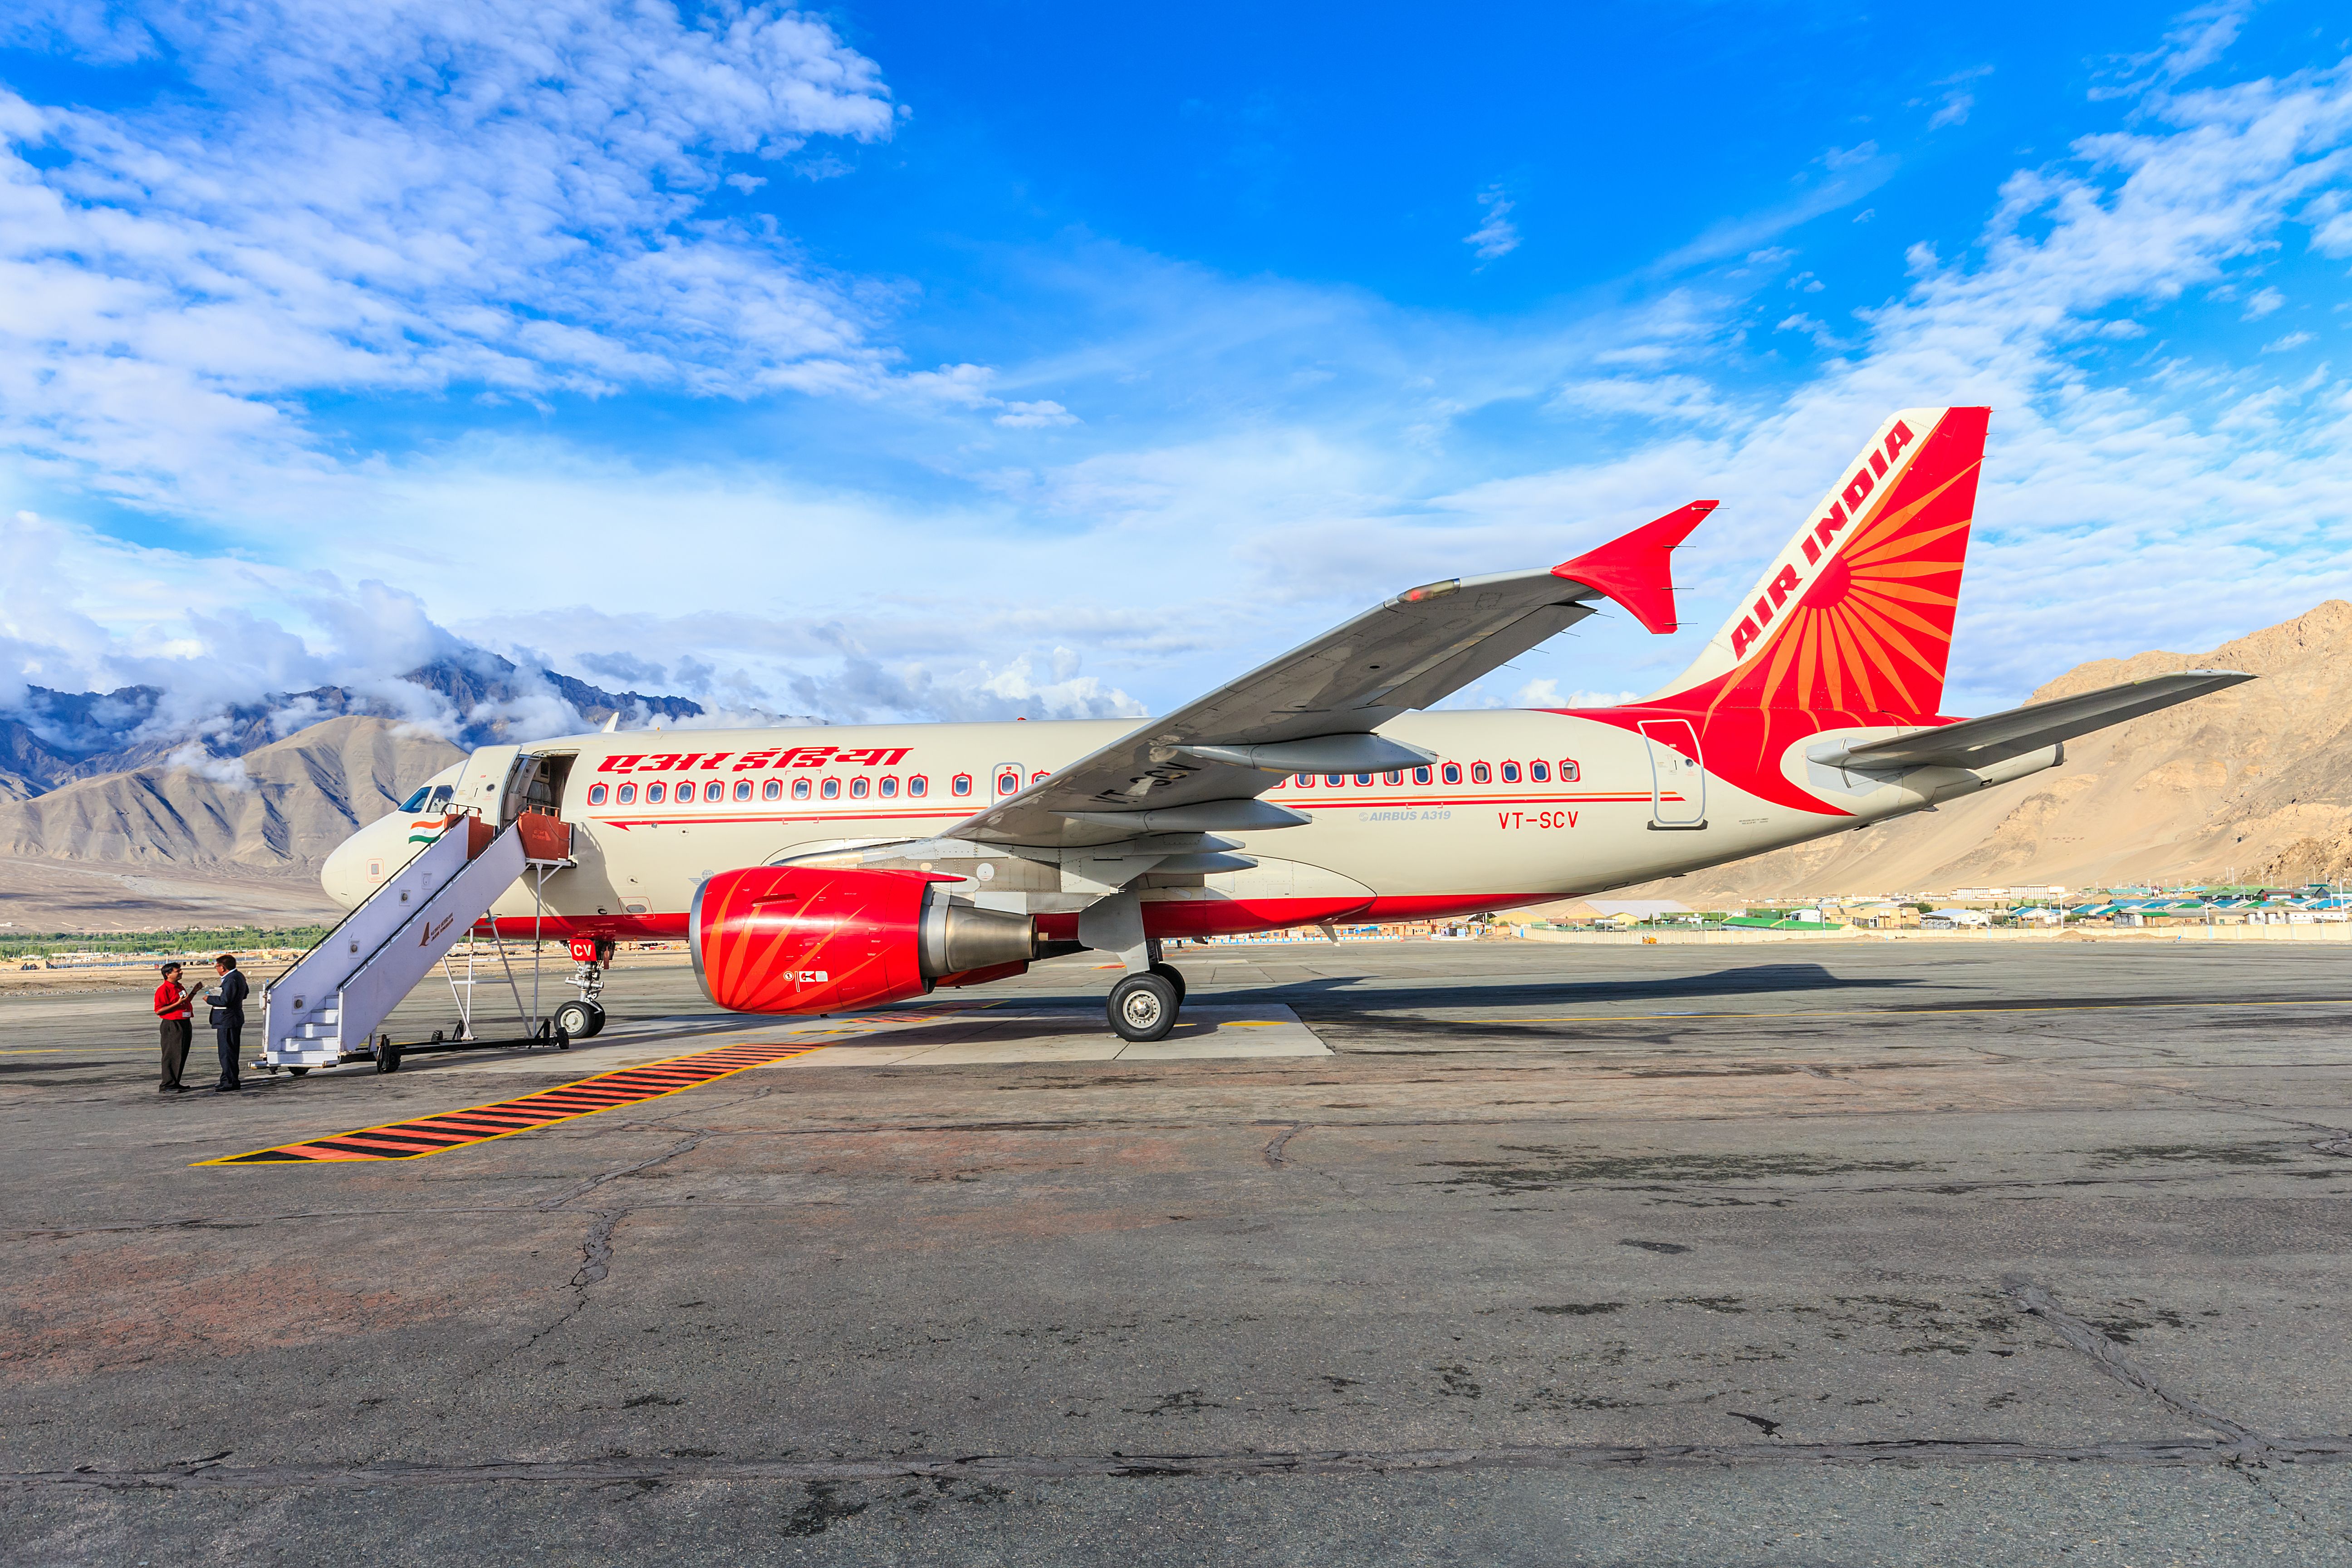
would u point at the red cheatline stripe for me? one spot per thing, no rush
(431, 1135)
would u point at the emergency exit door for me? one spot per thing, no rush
(1677, 774)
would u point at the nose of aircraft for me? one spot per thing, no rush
(345, 875)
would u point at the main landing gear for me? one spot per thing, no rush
(1143, 1005)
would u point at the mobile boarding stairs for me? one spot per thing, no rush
(324, 1009)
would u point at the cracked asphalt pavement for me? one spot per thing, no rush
(1842, 1253)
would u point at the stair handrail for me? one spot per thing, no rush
(373, 953)
(349, 915)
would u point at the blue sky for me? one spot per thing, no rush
(965, 361)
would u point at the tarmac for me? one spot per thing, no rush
(1421, 1253)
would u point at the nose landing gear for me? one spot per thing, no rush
(581, 1018)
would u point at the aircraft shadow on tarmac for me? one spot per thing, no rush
(1752, 980)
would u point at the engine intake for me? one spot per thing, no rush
(805, 939)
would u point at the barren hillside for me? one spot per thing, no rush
(2254, 781)
(307, 792)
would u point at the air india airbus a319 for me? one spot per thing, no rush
(819, 870)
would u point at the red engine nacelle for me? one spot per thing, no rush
(802, 938)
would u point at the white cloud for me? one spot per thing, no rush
(1851, 174)
(2263, 304)
(1262, 458)
(1496, 236)
(2291, 340)
(374, 197)
(1043, 415)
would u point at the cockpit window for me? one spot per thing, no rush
(429, 797)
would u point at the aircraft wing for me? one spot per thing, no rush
(1314, 710)
(1997, 737)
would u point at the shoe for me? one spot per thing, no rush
(224, 1088)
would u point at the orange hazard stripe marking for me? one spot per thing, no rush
(421, 1135)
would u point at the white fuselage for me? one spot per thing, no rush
(1521, 805)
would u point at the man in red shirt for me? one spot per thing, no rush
(172, 1011)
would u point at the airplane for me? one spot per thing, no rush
(832, 868)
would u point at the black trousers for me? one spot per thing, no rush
(226, 1037)
(177, 1035)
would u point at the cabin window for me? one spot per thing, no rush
(714, 790)
(1481, 774)
(1008, 783)
(1539, 771)
(889, 788)
(1568, 772)
(1510, 772)
(655, 793)
(1335, 780)
(1421, 776)
(1391, 778)
(1305, 780)
(962, 783)
(742, 789)
(800, 789)
(596, 795)
(919, 784)
(628, 793)
(773, 790)
(859, 787)
(1039, 777)
(1363, 781)
(1453, 772)
(832, 790)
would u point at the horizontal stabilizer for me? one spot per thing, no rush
(1997, 737)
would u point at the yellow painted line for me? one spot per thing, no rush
(418, 1136)
(1904, 1012)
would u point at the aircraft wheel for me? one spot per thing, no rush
(580, 1019)
(1174, 976)
(1142, 1007)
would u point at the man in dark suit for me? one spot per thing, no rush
(226, 1000)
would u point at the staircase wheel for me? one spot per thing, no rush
(298, 1072)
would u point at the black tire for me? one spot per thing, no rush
(1174, 976)
(1142, 1007)
(298, 1072)
(579, 1020)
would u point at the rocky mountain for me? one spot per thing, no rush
(49, 738)
(298, 799)
(2252, 784)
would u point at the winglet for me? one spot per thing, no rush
(1636, 569)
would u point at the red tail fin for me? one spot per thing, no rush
(1855, 616)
